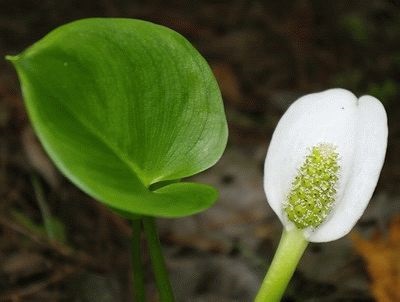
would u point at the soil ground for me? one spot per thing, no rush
(264, 54)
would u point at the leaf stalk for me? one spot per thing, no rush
(139, 293)
(157, 260)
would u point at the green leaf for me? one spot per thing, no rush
(121, 105)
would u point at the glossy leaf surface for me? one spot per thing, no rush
(122, 104)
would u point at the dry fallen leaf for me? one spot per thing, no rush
(38, 158)
(382, 256)
(228, 82)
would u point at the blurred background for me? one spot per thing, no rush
(264, 55)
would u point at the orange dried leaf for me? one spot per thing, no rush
(382, 256)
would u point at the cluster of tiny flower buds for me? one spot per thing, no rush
(313, 190)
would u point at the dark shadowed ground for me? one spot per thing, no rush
(264, 56)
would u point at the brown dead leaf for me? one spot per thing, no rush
(228, 82)
(38, 158)
(382, 256)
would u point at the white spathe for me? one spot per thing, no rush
(358, 129)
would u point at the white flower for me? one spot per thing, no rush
(324, 161)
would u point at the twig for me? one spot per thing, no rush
(77, 257)
(57, 276)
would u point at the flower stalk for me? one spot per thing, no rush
(291, 248)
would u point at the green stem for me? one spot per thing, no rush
(139, 294)
(290, 249)
(44, 208)
(157, 260)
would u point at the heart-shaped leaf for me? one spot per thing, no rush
(121, 105)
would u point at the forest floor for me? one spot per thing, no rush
(264, 56)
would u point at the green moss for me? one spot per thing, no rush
(313, 190)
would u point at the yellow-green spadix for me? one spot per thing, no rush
(324, 161)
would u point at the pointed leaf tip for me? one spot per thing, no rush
(11, 58)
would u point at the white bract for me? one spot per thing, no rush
(324, 161)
